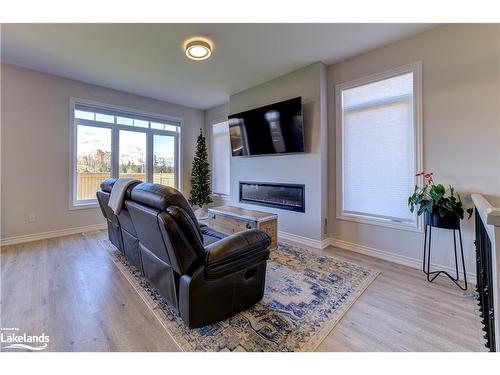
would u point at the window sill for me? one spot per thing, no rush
(217, 195)
(220, 197)
(417, 227)
(83, 206)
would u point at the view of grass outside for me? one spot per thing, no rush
(88, 183)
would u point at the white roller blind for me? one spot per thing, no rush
(221, 151)
(378, 153)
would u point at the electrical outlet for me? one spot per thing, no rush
(31, 217)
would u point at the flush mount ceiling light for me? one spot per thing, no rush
(198, 49)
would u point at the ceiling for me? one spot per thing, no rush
(148, 59)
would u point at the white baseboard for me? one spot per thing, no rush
(391, 257)
(366, 250)
(317, 244)
(51, 234)
(283, 236)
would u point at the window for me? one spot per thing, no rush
(221, 152)
(109, 142)
(379, 147)
(164, 160)
(132, 161)
(93, 159)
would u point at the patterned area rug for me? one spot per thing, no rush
(306, 295)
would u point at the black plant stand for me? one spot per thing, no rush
(450, 223)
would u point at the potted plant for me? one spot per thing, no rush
(443, 207)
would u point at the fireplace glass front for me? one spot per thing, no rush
(284, 196)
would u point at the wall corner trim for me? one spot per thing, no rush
(51, 234)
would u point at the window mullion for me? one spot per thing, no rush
(177, 183)
(149, 157)
(115, 152)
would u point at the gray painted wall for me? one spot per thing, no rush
(308, 168)
(461, 128)
(35, 147)
(461, 93)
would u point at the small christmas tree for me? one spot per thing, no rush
(200, 175)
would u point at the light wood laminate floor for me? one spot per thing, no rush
(69, 288)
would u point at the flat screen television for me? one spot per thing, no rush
(273, 129)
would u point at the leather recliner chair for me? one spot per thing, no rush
(205, 275)
(121, 231)
(114, 231)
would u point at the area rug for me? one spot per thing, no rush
(306, 295)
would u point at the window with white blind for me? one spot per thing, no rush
(221, 153)
(119, 142)
(379, 147)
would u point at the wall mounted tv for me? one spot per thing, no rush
(273, 129)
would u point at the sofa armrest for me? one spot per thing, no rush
(236, 252)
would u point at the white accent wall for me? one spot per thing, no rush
(308, 168)
(35, 161)
(461, 129)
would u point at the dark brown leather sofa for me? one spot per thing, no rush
(204, 275)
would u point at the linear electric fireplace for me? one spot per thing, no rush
(284, 196)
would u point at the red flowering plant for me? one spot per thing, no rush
(435, 197)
